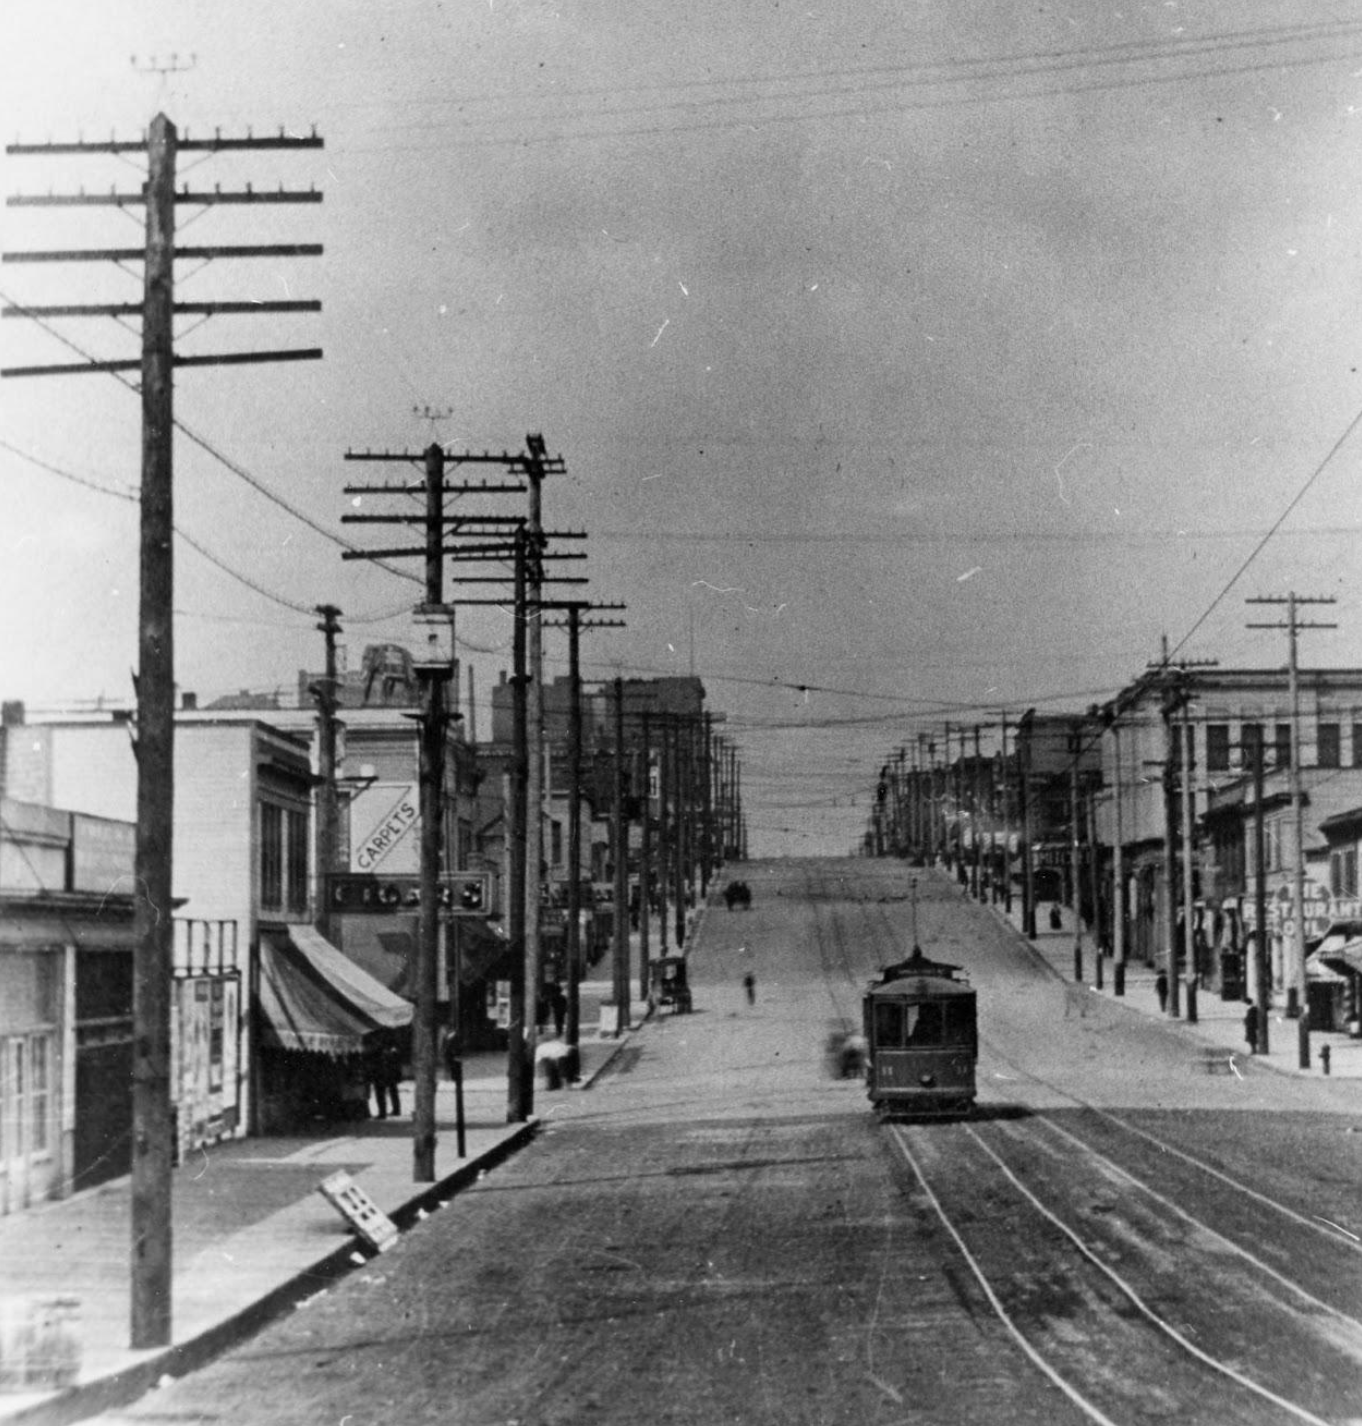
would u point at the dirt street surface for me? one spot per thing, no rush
(721, 1231)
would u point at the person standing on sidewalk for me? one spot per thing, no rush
(385, 1074)
(1161, 990)
(1251, 1027)
(749, 984)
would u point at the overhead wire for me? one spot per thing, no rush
(751, 119)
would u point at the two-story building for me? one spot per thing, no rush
(290, 1014)
(1178, 752)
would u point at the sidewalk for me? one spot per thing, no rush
(252, 1235)
(1220, 1023)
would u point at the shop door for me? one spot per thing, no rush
(14, 1146)
(28, 1131)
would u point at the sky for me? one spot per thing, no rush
(911, 362)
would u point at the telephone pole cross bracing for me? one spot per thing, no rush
(152, 1131)
(1298, 999)
(521, 540)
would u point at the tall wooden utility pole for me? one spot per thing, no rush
(435, 678)
(519, 1035)
(1188, 889)
(326, 694)
(535, 454)
(152, 1118)
(1298, 998)
(976, 867)
(574, 608)
(680, 825)
(620, 846)
(645, 855)
(1118, 874)
(664, 762)
(1262, 972)
(1076, 866)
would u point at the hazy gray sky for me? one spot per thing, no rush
(944, 354)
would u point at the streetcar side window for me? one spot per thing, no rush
(925, 1023)
(888, 1024)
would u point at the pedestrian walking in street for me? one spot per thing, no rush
(749, 984)
(1251, 1027)
(1055, 922)
(1161, 989)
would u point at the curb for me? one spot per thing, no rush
(122, 1388)
(1168, 1022)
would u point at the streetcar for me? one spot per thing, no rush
(922, 1039)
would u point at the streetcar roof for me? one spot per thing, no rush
(920, 987)
(918, 965)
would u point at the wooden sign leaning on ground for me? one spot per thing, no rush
(359, 1210)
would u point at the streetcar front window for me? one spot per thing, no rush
(888, 1025)
(926, 1024)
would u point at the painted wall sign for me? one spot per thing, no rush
(390, 828)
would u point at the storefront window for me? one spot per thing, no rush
(297, 861)
(40, 1092)
(271, 856)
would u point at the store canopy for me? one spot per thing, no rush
(313, 998)
(388, 956)
(483, 955)
(1344, 956)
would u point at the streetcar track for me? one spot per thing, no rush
(1339, 1237)
(1200, 1224)
(1088, 1408)
(1159, 1323)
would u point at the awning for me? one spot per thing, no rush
(483, 955)
(389, 956)
(1341, 957)
(313, 998)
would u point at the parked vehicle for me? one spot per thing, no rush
(667, 984)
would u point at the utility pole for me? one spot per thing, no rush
(153, 1123)
(1007, 821)
(681, 824)
(520, 1029)
(534, 725)
(1177, 692)
(432, 787)
(1188, 896)
(645, 856)
(574, 626)
(1298, 990)
(1076, 852)
(976, 869)
(326, 696)
(1118, 875)
(620, 837)
(1025, 815)
(1172, 696)
(1261, 970)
